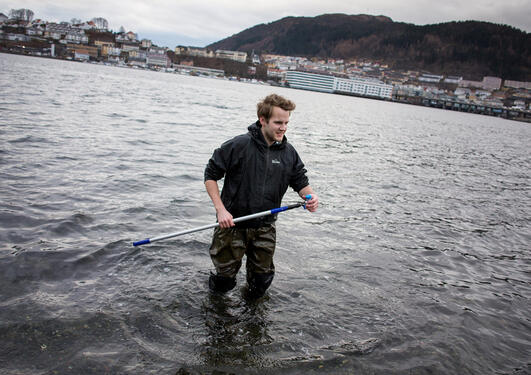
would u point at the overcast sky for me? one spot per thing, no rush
(201, 22)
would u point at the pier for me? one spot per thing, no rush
(453, 105)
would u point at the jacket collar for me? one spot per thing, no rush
(255, 131)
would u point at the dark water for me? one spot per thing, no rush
(418, 261)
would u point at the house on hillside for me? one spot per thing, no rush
(194, 51)
(232, 55)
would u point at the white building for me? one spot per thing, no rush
(518, 84)
(491, 83)
(430, 78)
(331, 84)
(453, 79)
(310, 81)
(232, 55)
(363, 87)
(76, 36)
(158, 57)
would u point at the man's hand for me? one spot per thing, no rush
(224, 218)
(312, 203)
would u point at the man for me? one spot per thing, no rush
(258, 168)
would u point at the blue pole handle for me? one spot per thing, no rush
(309, 196)
(143, 242)
(277, 210)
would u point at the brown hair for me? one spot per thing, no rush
(265, 107)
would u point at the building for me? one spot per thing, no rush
(432, 78)
(82, 52)
(310, 81)
(363, 87)
(331, 84)
(56, 30)
(517, 84)
(76, 36)
(107, 48)
(194, 51)
(187, 69)
(146, 43)
(488, 83)
(232, 55)
(491, 83)
(157, 57)
(453, 79)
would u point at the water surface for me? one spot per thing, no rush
(417, 262)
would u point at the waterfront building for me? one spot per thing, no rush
(187, 69)
(363, 87)
(517, 84)
(491, 83)
(82, 52)
(433, 78)
(310, 81)
(157, 56)
(453, 79)
(488, 83)
(331, 84)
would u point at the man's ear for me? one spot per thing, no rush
(263, 121)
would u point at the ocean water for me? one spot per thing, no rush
(417, 262)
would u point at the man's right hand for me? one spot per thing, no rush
(224, 218)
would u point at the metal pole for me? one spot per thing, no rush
(237, 220)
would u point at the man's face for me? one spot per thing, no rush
(274, 129)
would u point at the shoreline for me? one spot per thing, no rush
(466, 107)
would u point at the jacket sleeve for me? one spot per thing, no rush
(219, 162)
(298, 179)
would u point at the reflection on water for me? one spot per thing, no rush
(237, 329)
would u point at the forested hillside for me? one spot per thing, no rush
(472, 49)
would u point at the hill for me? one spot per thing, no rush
(471, 49)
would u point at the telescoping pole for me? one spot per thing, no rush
(237, 220)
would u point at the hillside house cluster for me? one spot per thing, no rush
(80, 41)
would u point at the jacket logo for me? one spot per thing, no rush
(275, 161)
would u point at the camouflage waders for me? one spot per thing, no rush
(228, 247)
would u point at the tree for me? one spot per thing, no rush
(100, 23)
(21, 14)
(75, 21)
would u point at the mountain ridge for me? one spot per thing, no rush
(467, 48)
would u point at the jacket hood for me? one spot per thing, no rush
(255, 131)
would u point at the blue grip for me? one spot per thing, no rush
(143, 242)
(309, 196)
(277, 210)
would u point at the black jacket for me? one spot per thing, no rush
(256, 176)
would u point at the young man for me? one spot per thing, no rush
(258, 168)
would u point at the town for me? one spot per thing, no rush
(92, 41)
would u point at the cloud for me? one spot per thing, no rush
(204, 22)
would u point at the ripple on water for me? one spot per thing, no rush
(417, 260)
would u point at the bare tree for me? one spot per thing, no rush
(75, 21)
(21, 14)
(100, 23)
